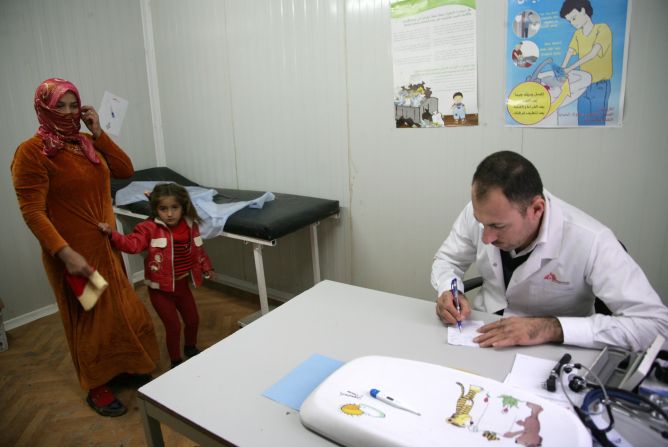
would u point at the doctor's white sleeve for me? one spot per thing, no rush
(638, 312)
(456, 254)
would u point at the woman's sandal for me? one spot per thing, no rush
(100, 395)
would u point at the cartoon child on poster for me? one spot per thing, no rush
(591, 43)
(458, 108)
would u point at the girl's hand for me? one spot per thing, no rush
(92, 121)
(104, 228)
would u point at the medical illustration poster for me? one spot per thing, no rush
(566, 62)
(434, 63)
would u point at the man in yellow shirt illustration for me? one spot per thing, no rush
(592, 43)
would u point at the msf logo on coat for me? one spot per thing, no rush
(553, 278)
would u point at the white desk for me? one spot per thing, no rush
(216, 397)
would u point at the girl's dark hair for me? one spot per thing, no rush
(179, 193)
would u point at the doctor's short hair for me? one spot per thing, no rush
(570, 5)
(516, 176)
(179, 193)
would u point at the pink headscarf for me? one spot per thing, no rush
(57, 128)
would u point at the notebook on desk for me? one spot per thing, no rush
(441, 406)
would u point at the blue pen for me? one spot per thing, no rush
(455, 294)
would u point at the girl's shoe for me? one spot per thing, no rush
(103, 401)
(191, 351)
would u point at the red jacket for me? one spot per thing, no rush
(156, 237)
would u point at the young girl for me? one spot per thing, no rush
(175, 253)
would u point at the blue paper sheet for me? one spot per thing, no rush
(295, 386)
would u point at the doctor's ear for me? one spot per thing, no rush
(537, 205)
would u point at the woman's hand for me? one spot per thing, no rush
(74, 262)
(92, 121)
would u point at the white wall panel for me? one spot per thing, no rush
(619, 175)
(193, 79)
(408, 185)
(289, 99)
(253, 96)
(296, 97)
(95, 44)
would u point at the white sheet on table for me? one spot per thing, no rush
(530, 373)
(213, 215)
(468, 333)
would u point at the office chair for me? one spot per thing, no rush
(599, 306)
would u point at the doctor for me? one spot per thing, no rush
(543, 262)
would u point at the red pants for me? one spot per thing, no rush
(169, 305)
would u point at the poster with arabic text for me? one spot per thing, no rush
(434, 62)
(566, 62)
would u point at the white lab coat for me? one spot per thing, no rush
(576, 258)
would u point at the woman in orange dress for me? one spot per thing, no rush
(61, 178)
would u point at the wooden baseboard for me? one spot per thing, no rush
(31, 316)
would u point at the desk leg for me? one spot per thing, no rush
(315, 253)
(152, 429)
(261, 282)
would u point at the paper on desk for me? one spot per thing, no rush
(295, 386)
(530, 373)
(466, 336)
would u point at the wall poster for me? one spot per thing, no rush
(434, 61)
(566, 62)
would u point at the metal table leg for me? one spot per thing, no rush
(261, 282)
